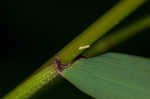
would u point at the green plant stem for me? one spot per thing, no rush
(36, 81)
(98, 29)
(115, 38)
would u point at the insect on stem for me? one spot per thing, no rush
(84, 47)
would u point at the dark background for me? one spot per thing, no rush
(31, 31)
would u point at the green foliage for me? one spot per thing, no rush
(48, 71)
(112, 76)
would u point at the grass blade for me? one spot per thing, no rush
(112, 76)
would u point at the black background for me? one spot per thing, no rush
(33, 30)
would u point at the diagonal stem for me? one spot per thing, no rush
(115, 38)
(36, 81)
(116, 14)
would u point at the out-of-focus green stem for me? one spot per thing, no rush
(113, 39)
(30, 86)
(48, 72)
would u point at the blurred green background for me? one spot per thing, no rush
(31, 31)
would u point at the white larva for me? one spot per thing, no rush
(84, 47)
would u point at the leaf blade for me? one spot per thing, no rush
(112, 76)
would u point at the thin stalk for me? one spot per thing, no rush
(98, 29)
(115, 38)
(36, 81)
(30, 86)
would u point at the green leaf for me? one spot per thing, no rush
(112, 76)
